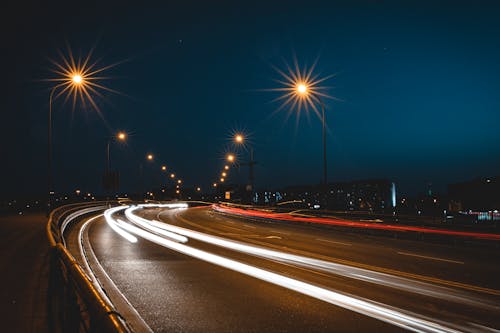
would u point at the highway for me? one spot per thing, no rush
(195, 269)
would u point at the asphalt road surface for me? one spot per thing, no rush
(235, 275)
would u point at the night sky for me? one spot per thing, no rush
(417, 85)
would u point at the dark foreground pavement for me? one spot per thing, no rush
(24, 267)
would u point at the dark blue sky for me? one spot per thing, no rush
(418, 84)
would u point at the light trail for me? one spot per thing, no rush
(384, 279)
(383, 312)
(375, 310)
(352, 224)
(144, 223)
(113, 225)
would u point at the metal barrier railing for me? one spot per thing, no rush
(75, 304)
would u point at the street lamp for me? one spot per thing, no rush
(120, 136)
(230, 158)
(78, 79)
(71, 82)
(163, 168)
(149, 158)
(302, 89)
(240, 139)
(172, 175)
(304, 93)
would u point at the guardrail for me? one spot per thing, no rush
(75, 304)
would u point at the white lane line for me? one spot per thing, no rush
(334, 242)
(431, 258)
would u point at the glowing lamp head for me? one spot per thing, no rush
(301, 89)
(77, 79)
(121, 136)
(163, 167)
(149, 157)
(238, 138)
(226, 167)
(172, 175)
(230, 158)
(222, 180)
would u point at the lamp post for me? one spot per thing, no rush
(240, 139)
(120, 136)
(149, 158)
(78, 79)
(73, 81)
(303, 91)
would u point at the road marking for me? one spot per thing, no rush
(334, 242)
(431, 258)
(274, 237)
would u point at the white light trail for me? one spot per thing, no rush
(383, 312)
(335, 268)
(113, 225)
(375, 310)
(129, 213)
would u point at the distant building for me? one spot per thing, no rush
(478, 195)
(368, 195)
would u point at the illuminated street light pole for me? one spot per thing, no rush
(240, 139)
(73, 81)
(149, 157)
(120, 136)
(78, 80)
(302, 90)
